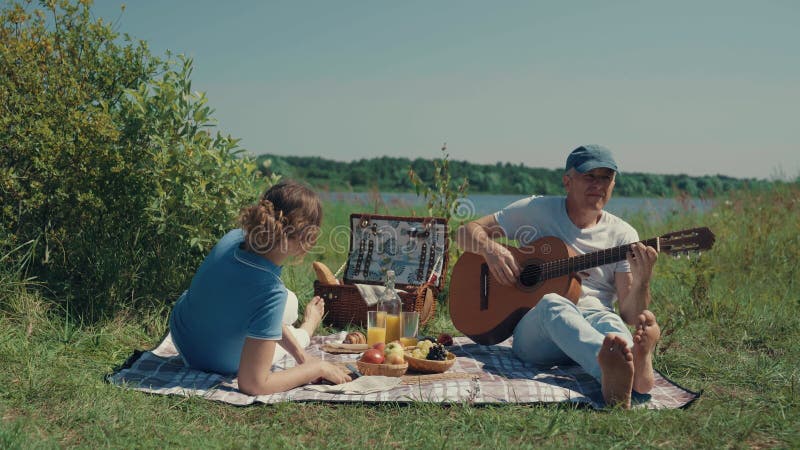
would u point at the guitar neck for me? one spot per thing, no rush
(560, 267)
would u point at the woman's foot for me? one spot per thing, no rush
(312, 317)
(616, 365)
(644, 343)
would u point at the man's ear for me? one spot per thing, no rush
(565, 180)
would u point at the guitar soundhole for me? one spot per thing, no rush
(530, 276)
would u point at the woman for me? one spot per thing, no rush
(230, 319)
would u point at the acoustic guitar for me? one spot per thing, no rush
(487, 311)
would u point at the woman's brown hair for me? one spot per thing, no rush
(286, 210)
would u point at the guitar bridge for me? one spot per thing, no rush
(484, 287)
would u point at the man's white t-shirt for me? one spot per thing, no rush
(529, 219)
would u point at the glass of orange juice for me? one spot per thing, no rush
(392, 327)
(409, 325)
(376, 327)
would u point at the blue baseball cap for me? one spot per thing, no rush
(588, 157)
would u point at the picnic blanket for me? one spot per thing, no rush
(481, 375)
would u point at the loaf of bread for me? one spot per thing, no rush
(324, 274)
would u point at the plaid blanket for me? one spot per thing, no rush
(480, 375)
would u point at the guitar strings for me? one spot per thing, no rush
(564, 266)
(581, 262)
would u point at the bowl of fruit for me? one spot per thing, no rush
(387, 360)
(430, 357)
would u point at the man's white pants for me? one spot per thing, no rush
(558, 332)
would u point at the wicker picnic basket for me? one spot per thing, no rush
(414, 247)
(387, 370)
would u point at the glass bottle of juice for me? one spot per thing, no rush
(391, 305)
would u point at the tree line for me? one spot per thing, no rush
(391, 174)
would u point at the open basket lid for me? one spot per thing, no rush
(414, 247)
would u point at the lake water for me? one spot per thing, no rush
(482, 204)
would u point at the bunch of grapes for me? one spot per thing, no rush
(437, 353)
(422, 350)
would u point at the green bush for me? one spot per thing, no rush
(108, 166)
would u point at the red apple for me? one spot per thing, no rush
(372, 356)
(445, 339)
(379, 345)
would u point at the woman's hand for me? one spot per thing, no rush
(332, 373)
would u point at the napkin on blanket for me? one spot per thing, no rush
(359, 386)
(371, 293)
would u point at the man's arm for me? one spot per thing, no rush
(478, 237)
(633, 288)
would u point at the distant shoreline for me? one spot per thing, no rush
(482, 204)
(385, 174)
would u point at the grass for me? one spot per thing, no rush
(731, 323)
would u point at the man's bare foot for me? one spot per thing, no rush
(315, 309)
(616, 365)
(644, 342)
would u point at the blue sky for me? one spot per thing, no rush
(697, 87)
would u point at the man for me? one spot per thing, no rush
(590, 333)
